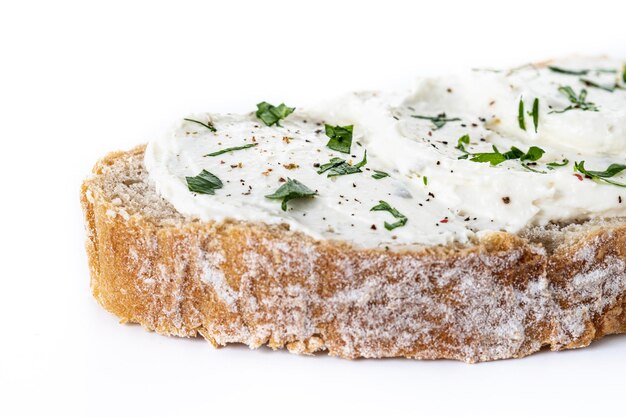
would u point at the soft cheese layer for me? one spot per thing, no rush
(445, 198)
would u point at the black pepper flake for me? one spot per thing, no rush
(281, 179)
(619, 199)
(373, 227)
(431, 194)
(316, 165)
(438, 162)
(506, 200)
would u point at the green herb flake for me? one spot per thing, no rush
(208, 125)
(601, 176)
(291, 190)
(593, 84)
(272, 115)
(234, 148)
(535, 114)
(204, 183)
(520, 115)
(534, 154)
(438, 121)
(578, 101)
(340, 137)
(463, 140)
(553, 165)
(496, 157)
(425, 179)
(379, 174)
(337, 166)
(384, 206)
(624, 75)
(568, 71)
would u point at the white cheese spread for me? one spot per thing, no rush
(444, 198)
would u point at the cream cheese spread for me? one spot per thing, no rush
(574, 110)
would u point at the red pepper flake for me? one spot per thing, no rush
(443, 220)
(580, 177)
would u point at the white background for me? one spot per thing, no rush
(79, 79)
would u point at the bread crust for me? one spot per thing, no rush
(235, 282)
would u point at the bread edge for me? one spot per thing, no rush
(231, 283)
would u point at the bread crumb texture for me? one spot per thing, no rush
(505, 296)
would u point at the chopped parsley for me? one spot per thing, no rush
(340, 138)
(438, 121)
(272, 115)
(521, 117)
(593, 84)
(291, 190)
(204, 183)
(496, 157)
(460, 144)
(234, 148)
(553, 165)
(578, 101)
(624, 75)
(208, 125)
(568, 71)
(601, 176)
(384, 206)
(379, 174)
(425, 179)
(338, 166)
(535, 114)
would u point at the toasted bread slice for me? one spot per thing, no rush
(505, 296)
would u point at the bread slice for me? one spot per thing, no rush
(505, 296)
